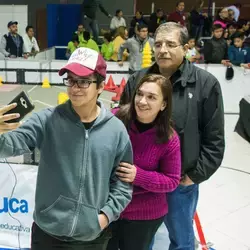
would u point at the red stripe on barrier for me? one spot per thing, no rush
(200, 232)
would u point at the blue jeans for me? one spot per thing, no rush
(182, 205)
(91, 25)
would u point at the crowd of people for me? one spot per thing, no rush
(229, 43)
(13, 45)
(108, 180)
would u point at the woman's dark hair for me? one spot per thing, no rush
(163, 122)
(29, 27)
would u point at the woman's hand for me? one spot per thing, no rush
(126, 172)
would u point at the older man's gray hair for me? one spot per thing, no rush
(172, 26)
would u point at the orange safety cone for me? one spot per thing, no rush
(110, 86)
(123, 82)
(118, 94)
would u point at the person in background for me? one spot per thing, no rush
(135, 45)
(138, 19)
(79, 32)
(215, 49)
(117, 21)
(222, 18)
(12, 43)
(72, 45)
(156, 19)
(243, 27)
(192, 53)
(198, 117)
(238, 54)
(179, 15)
(226, 37)
(89, 11)
(81, 144)
(107, 49)
(236, 9)
(197, 20)
(231, 16)
(120, 37)
(157, 163)
(30, 45)
(88, 42)
(232, 28)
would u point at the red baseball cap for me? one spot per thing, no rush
(85, 62)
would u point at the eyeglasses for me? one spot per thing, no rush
(81, 83)
(169, 46)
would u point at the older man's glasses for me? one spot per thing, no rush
(81, 83)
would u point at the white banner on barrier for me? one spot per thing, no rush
(16, 212)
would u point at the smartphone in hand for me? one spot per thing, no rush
(24, 106)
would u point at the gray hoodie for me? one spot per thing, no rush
(76, 176)
(135, 47)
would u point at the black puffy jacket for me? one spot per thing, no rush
(198, 116)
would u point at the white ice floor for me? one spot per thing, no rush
(224, 204)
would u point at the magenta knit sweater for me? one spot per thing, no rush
(158, 172)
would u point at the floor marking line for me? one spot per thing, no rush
(32, 89)
(43, 103)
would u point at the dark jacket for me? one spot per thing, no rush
(198, 115)
(154, 22)
(90, 7)
(215, 50)
(134, 22)
(238, 56)
(12, 47)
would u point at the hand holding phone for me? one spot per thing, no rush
(23, 106)
(4, 118)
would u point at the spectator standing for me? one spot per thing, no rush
(138, 19)
(192, 53)
(238, 54)
(236, 8)
(89, 11)
(178, 16)
(135, 45)
(215, 49)
(12, 43)
(156, 19)
(222, 18)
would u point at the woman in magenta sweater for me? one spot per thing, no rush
(157, 163)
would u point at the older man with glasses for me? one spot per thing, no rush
(82, 143)
(198, 117)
